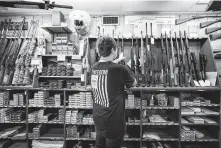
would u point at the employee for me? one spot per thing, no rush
(107, 81)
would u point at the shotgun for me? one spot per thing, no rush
(215, 36)
(172, 63)
(213, 29)
(188, 60)
(178, 58)
(183, 20)
(205, 24)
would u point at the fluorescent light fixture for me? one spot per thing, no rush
(203, 2)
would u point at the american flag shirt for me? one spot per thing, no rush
(107, 82)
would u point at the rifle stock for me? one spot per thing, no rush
(183, 20)
(215, 36)
(205, 24)
(213, 29)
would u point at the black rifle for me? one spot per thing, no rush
(132, 57)
(147, 61)
(138, 70)
(10, 61)
(185, 79)
(169, 78)
(153, 66)
(4, 40)
(215, 36)
(164, 63)
(32, 5)
(96, 50)
(142, 61)
(118, 47)
(183, 20)
(122, 50)
(172, 63)
(194, 62)
(178, 66)
(213, 29)
(5, 49)
(188, 60)
(205, 24)
(203, 61)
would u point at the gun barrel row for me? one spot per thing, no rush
(178, 65)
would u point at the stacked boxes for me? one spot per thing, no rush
(4, 98)
(18, 99)
(61, 46)
(41, 98)
(5, 114)
(80, 100)
(131, 101)
(61, 115)
(72, 132)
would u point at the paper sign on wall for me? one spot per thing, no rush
(61, 58)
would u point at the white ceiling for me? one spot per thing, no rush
(123, 6)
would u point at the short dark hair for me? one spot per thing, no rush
(105, 44)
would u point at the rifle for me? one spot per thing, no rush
(4, 41)
(213, 29)
(138, 71)
(164, 63)
(5, 49)
(1, 29)
(153, 66)
(188, 60)
(9, 65)
(215, 36)
(148, 71)
(185, 80)
(118, 42)
(194, 62)
(203, 61)
(122, 50)
(205, 24)
(132, 57)
(172, 63)
(179, 69)
(142, 60)
(183, 20)
(169, 74)
(96, 50)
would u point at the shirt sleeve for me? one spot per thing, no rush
(128, 80)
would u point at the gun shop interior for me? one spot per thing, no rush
(52, 54)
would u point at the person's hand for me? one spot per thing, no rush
(119, 59)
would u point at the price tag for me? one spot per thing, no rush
(35, 62)
(152, 40)
(82, 77)
(61, 58)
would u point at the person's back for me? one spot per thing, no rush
(107, 81)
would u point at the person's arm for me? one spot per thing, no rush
(128, 79)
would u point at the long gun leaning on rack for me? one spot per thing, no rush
(205, 24)
(138, 71)
(215, 36)
(147, 61)
(122, 51)
(169, 75)
(142, 60)
(6, 46)
(203, 61)
(178, 66)
(96, 50)
(4, 40)
(153, 66)
(132, 57)
(9, 64)
(196, 70)
(173, 64)
(164, 72)
(184, 71)
(188, 60)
